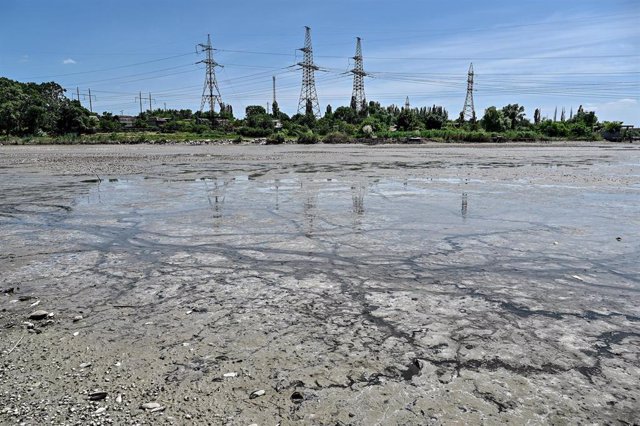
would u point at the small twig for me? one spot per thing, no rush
(16, 345)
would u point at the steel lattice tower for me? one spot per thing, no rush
(308, 103)
(469, 112)
(358, 98)
(210, 92)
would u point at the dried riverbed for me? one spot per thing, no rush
(320, 285)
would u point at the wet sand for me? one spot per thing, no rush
(353, 285)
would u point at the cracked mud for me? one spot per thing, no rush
(320, 285)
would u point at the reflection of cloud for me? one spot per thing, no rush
(68, 61)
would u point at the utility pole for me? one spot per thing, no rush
(144, 98)
(78, 93)
(358, 98)
(469, 112)
(139, 97)
(308, 103)
(274, 91)
(210, 92)
(85, 96)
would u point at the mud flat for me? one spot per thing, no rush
(320, 285)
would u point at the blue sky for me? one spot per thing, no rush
(543, 54)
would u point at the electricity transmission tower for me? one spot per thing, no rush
(469, 112)
(210, 92)
(358, 98)
(308, 103)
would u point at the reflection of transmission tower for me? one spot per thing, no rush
(469, 112)
(308, 103)
(358, 99)
(210, 92)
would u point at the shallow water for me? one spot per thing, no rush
(388, 289)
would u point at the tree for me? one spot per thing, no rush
(494, 120)
(253, 110)
(536, 116)
(407, 120)
(434, 117)
(345, 114)
(275, 109)
(514, 113)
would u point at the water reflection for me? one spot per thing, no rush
(216, 195)
(309, 208)
(464, 208)
(357, 195)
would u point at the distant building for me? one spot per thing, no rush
(127, 121)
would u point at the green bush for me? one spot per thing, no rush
(308, 138)
(336, 137)
(276, 139)
(254, 132)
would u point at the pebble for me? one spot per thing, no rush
(29, 324)
(76, 333)
(36, 303)
(150, 406)
(85, 365)
(232, 374)
(97, 395)
(256, 394)
(101, 410)
(38, 315)
(77, 318)
(119, 399)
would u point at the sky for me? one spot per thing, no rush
(537, 53)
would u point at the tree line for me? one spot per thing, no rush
(28, 109)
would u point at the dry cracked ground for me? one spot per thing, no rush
(351, 285)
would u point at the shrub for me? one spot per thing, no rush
(276, 139)
(336, 137)
(308, 138)
(254, 132)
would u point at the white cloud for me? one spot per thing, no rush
(68, 61)
(625, 110)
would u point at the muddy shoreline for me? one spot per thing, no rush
(320, 284)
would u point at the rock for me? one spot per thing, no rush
(29, 325)
(101, 410)
(25, 298)
(232, 374)
(256, 394)
(38, 315)
(150, 406)
(97, 395)
(119, 399)
(618, 238)
(77, 318)
(8, 290)
(85, 365)
(34, 304)
(76, 333)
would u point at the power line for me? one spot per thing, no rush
(109, 69)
